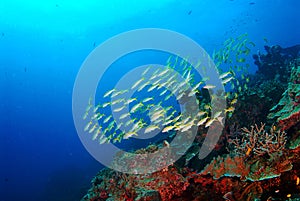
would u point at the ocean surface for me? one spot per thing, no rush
(42, 47)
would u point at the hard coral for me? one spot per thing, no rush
(257, 156)
(169, 183)
(287, 111)
(272, 65)
(258, 142)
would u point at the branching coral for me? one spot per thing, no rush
(258, 142)
(258, 155)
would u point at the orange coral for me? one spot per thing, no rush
(227, 166)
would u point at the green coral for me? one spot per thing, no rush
(287, 111)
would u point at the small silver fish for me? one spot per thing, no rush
(107, 119)
(163, 72)
(119, 109)
(97, 133)
(227, 80)
(151, 128)
(85, 115)
(88, 125)
(152, 88)
(130, 100)
(167, 129)
(130, 134)
(202, 121)
(143, 86)
(168, 97)
(217, 114)
(123, 116)
(108, 93)
(209, 122)
(187, 127)
(97, 107)
(147, 100)
(224, 75)
(93, 128)
(209, 86)
(145, 71)
(103, 140)
(136, 107)
(117, 101)
(106, 104)
(137, 83)
(119, 93)
(163, 92)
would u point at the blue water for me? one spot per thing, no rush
(42, 46)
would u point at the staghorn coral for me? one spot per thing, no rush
(258, 142)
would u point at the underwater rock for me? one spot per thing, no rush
(292, 51)
(273, 64)
(265, 94)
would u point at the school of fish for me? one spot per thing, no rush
(150, 114)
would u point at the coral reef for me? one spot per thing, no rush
(182, 184)
(265, 94)
(257, 156)
(257, 142)
(252, 160)
(273, 64)
(287, 111)
(162, 185)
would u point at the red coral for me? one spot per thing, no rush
(168, 183)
